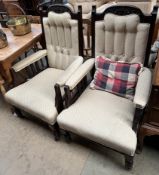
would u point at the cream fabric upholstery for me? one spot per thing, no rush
(37, 96)
(70, 70)
(146, 7)
(83, 70)
(125, 37)
(29, 60)
(102, 117)
(61, 33)
(143, 88)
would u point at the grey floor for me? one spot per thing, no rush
(28, 148)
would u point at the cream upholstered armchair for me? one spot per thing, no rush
(42, 96)
(124, 33)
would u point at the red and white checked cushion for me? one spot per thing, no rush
(116, 77)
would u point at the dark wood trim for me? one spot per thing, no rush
(67, 96)
(72, 95)
(93, 30)
(56, 131)
(137, 118)
(58, 99)
(67, 136)
(126, 10)
(17, 111)
(80, 32)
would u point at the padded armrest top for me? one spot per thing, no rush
(143, 88)
(29, 60)
(70, 70)
(80, 73)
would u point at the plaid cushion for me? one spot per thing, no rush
(116, 77)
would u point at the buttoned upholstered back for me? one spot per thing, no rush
(123, 37)
(62, 39)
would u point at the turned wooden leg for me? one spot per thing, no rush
(67, 137)
(17, 112)
(140, 141)
(56, 131)
(2, 88)
(129, 162)
(139, 145)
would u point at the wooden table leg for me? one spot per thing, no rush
(2, 89)
(5, 72)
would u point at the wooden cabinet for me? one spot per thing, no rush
(150, 124)
(152, 116)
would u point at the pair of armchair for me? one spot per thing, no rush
(101, 117)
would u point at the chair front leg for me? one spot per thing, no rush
(129, 162)
(17, 112)
(137, 118)
(67, 137)
(56, 131)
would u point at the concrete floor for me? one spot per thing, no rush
(28, 148)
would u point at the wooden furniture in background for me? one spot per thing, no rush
(7, 2)
(2, 89)
(2, 10)
(14, 9)
(150, 123)
(17, 45)
(156, 73)
(30, 6)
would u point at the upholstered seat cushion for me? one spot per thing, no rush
(37, 96)
(102, 117)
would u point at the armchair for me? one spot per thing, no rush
(42, 96)
(103, 117)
